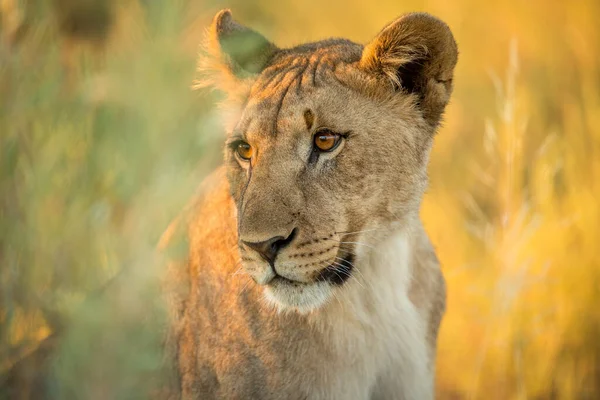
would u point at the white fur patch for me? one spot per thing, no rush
(378, 334)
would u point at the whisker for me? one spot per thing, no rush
(381, 229)
(344, 294)
(357, 243)
(352, 265)
(343, 259)
(363, 231)
(245, 286)
(344, 268)
(343, 272)
(335, 296)
(347, 249)
(348, 274)
(358, 281)
(268, 305)
(358, 271)
(353, 251)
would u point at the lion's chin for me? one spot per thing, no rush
(302, 298)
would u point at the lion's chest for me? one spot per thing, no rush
(338, 352)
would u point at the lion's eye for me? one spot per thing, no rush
(326, 140)
(244, 150)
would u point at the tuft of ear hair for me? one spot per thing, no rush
(417, 54)
(234, 54)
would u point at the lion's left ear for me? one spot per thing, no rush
(417, 53)
(234, 54)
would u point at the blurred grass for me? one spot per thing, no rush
(102, 143)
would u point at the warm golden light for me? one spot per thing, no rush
(102, 143)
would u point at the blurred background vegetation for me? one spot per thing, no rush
(102, 142)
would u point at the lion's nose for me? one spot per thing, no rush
(269, 249)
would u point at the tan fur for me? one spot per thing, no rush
(242, 331)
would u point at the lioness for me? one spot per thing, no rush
(309, 273)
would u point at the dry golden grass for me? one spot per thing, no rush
(513, 206)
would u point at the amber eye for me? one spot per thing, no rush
(326, 140)
(244, 150)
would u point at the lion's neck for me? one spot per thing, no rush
(373, 320)
(379, 287)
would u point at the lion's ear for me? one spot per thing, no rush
(234, 55)
(417, 53)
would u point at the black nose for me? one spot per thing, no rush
(269, 248)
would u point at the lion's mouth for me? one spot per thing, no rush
(336, 274)
(305, 296)
(282, 279)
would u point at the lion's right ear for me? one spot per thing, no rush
(233, 56)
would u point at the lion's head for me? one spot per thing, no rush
(328, 148)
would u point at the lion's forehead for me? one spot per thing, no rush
(289, 87)
(302, 69)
